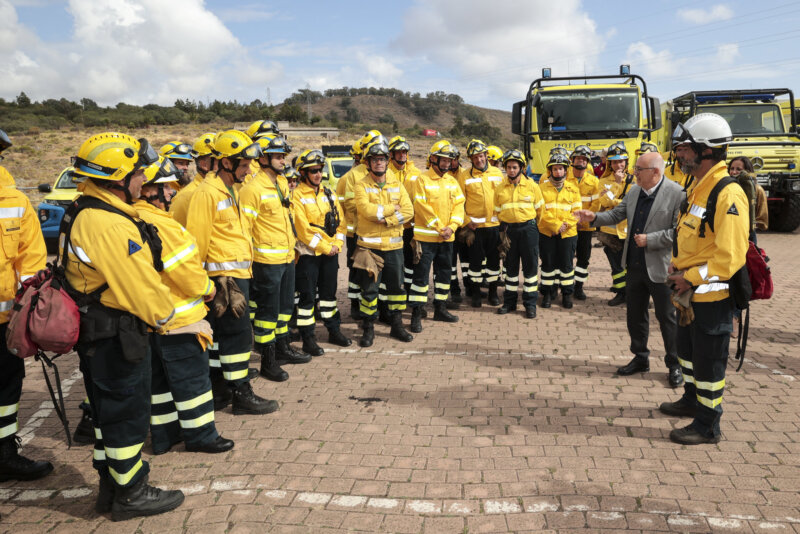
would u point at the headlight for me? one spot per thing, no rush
(796, 186)
(43, 215)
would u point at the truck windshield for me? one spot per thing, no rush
(749, 118)
(340, 167)
(65, 181)
(588, 113)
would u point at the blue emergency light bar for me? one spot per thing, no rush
(764, 97)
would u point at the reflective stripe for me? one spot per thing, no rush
(305, 312)
(161, 398)
(517, 205)
(418, 298)
(99, 455)
(711, 386)
(419, 289)
(11, 409)
(272, 250)
(439, 285)
(315, 241)
(249, 212)
(176, 258)
(349, 194)
(469, 181)
(195, 402)
(213, 362)
(268, 196)
(710, 403)
(685, 364)
(269, 325)
(124, 478)
(234, 375)
(478, 220)
(424, 231)
(560, 206)
(265, 338)
(397, 298)
(532, 279)
(11, 213)
(6, 305)
(586, 199)
(224, 204)
(308, 321)
(79, 252)
(400, 218)
(395, 240)
(123, 453)
(379, 214)
(375, 240)
(188, 305)
(308, 201)
(163, 419)
(227, 266)
(234, 358)
(98, 434)
(9, 430)
(284, 317)
(457, 219)
(340, 237)
(708, 288)
(198, 421)
(165, 320)
(327, 303)
(511, 288)
(697, 211)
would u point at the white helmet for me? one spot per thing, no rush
(704, 129)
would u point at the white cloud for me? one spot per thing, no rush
(246, 13)
(727, 54)
(382, 72)
(650, 62)
(715, 13)
(501, 45)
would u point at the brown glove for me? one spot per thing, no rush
(465, 235)
(416, 247)
(683, 303)
(504, 246)
(238, 304)
(364, 258)
(221, 300)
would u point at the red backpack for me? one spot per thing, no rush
(759, 273)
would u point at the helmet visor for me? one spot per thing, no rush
(250, 152)
(147, 154)
(5, 142)
(182, 149)
(167, 172)
(681, 135)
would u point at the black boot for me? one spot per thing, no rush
(269, 367)
(493, 299)
(141, 500)
(369, 334)
(398, 330)
(84, 431)
(383, 313)
(579, 294)
(245, 401)
(105, 494)
(221, 391)
(440, 313)
(294, 335)
(416, 319)
(14, 466)
(285, 353)
(566, 301)
(455, 293)
(476, 297)
(618, 299)
(507, 307)
(355, 310)
(336, 337)
(310, 343)
(546, 298)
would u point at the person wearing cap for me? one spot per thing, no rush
(558, 233)
(205, 161)
(518, 203)
(180, 154)
(226, 250)
(182, 403)
(705, 259)
(438, 212)
(583, 178)
(614, 185)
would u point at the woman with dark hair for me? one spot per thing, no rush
(759, 216)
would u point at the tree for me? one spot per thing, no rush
(23, 101)
(88, 104)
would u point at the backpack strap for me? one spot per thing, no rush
(711, 204)
(628, 181)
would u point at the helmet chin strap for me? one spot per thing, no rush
(125, 188)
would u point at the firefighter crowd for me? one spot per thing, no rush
(178, 280)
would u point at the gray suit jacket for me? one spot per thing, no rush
(660, 223)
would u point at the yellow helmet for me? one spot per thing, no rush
(559, 150)
(290, 173)
(310, 158)
(558, 159)
(442, 148)
(645, 148)
(476, 146)
(398, 143)
(494, 153)
(261, 128)
(273, 144)
(176, 150)
(617, 151)
(161, 172)
(368, 138)
(113, 156)
(204, 145)
(355, 150)
(237, 145)
(514, 155)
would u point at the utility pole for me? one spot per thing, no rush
(308, 101)
(269, 97)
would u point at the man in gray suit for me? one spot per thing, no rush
(651, 208)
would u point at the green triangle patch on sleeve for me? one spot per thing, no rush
(732, 210)
(133, 247)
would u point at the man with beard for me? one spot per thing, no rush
(181, 156)
(204, 162)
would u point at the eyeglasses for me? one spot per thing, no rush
(314, 171)
(639, 169)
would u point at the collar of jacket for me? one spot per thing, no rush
(143, 205)
(93, 190)
(217, 183)
(714, 175)
(305, 188)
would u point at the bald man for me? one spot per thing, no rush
(651, 208)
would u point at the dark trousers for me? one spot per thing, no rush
(524, 239)
(274, 285)
(484, 249)
(353, 290)
(557, 255)
(441, 256)
(389, 284)
(703, 356)
(637, 297)
(408, 258)
(119, 397)
(182, 404)
(233, 341)
(13, 371)
(460, 251)
(617, 271)
(583, 252)
(317, 274)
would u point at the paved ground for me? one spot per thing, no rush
(493, 425)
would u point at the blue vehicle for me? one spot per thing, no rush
(51, 210)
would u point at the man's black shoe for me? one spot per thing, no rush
(546, 299)
(416, 319)
(675, 377)
(84, 431)
(579, 293)
(636, 365)
(105, 494)
(252, 373)
(383, 314)
(222, 393)
(476, 299)
(336, 337)
(142, 500)
(618, 299)
(689, 436)
(679, 408)
(218, 445)
(398, 331)
(355, 310)
(245, 401)
(440, 313)
(269, 366)
(285, 353)
(530, 313)
(566, 301)
(368, 335)
(493, 299)
(503, 310)
(310, 345)
(14, 466)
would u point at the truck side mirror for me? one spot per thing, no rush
(516, 118)
(45, 188)
(655, 106)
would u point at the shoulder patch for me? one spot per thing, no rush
(133, 247)
(732, 210)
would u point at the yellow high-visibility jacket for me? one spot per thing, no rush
(589, 187)
(558, 208)
(673, 172)
(438, 202)
(179, 208)
(6, 180)
(107, 248)
(610, 195)
(380, 224)
(478, 188)
(215, 222)
(183, 273)
(267, 219)
(710, 261)
(22, 249)
(347, 197)
(406, 176)
(516, 203)
(309, 208)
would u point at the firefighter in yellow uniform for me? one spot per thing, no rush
(673, 172)
(182, 403)
(518, 203)
(582, 176)
(22, 254)
(346, 197)
(614, 185)
(709, 249)
(181, 155)
(460, 248)
(320, 224)
(558, 233)
(494, 156)
(226, 251)
(404, 171)
(438, 213)
(478, 185)
(266, 204)
(204, 162)
(112, 263)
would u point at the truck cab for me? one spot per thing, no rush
(51, 209)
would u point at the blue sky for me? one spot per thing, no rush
(141, 51)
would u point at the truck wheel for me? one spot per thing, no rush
(787, 218)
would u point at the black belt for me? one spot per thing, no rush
(521, 224)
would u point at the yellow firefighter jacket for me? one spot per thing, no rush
(215, 222)
(309, 208)
(179, 207)
(438, 202)
(380, 224)
(558, 208)
(589, 187)
(347, 197)
(267, 219)
(610, 195)
(518, 203)
(710, 261)
(478, 188)
(406, 176)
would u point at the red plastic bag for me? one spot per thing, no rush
(760, 275)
